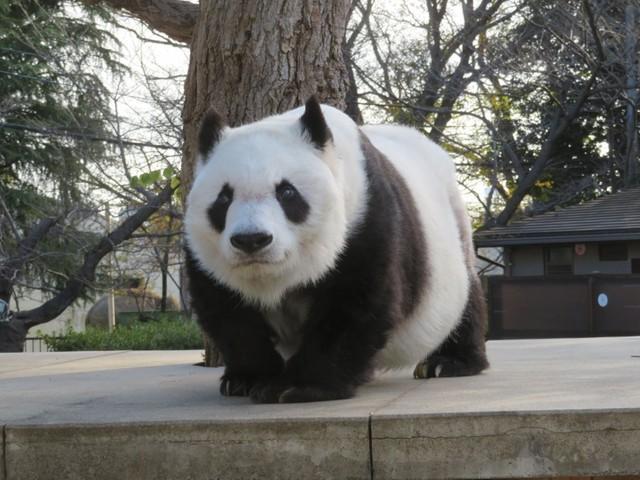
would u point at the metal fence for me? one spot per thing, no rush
(35, 345)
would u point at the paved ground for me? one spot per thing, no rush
(545, 408)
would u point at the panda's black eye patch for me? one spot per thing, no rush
(217, 212)
(224, 198)
(286, 192)
(295, 207)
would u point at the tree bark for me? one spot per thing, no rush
(253, 59)
(12, 336)
(174, 18)
(164, 272)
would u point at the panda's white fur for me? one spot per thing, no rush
(334, 182)
(430, 176)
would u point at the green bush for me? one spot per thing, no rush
(164, 334)
(128, 318)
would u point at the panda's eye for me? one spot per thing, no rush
(225, 196)
(217, 212)
(293, 204)
(286, 192)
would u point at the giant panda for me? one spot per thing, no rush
(318, 252)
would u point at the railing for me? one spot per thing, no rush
(35, 345)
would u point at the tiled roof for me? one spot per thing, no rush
(608, 218)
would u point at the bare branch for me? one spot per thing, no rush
(10, 269)
(594, 30)
(12, 223)
(174, 18)
(66, 132)
(557, 128)
(74, 287)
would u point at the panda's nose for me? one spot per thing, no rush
(251, 242)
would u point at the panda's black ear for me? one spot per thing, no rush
(210, 132)
(314, 124)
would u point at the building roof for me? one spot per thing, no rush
(609, 218)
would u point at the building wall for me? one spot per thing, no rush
(590, 262)
(529, 260)
(526, 260)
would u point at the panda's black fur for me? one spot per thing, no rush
(374, 287)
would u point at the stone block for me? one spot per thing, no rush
(504, 445)
(200, 451)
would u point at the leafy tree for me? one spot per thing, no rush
(54, 105)
(59, 146)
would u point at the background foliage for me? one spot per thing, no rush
(54, 104)
(172, 332)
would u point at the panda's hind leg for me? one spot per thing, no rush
(463, 353)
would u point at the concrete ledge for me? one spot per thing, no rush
(247, 450)
(546, 408)
(506, 446)
(3, 463)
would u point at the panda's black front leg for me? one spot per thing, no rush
(244, 340)
(248, 352)
(238, 330)
(336, 356)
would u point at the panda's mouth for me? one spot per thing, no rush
(260, 262)
(254, 262)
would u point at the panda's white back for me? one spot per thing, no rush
(429, 173)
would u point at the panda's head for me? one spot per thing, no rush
(266, 210)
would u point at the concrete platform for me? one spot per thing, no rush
(546, 408)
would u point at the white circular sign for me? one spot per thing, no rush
(603, 300)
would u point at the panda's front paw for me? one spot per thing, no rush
(236, 385)
(281, 392)
(443, 366)
(421, 370)
(312, 393)
(268, 392)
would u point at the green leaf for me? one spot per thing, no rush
(168, 172)
(145, 179)
(135, 182)
(155, 176)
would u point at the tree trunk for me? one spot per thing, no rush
(12, 336)
(164, 272)
(631, 67)
(253, 59)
